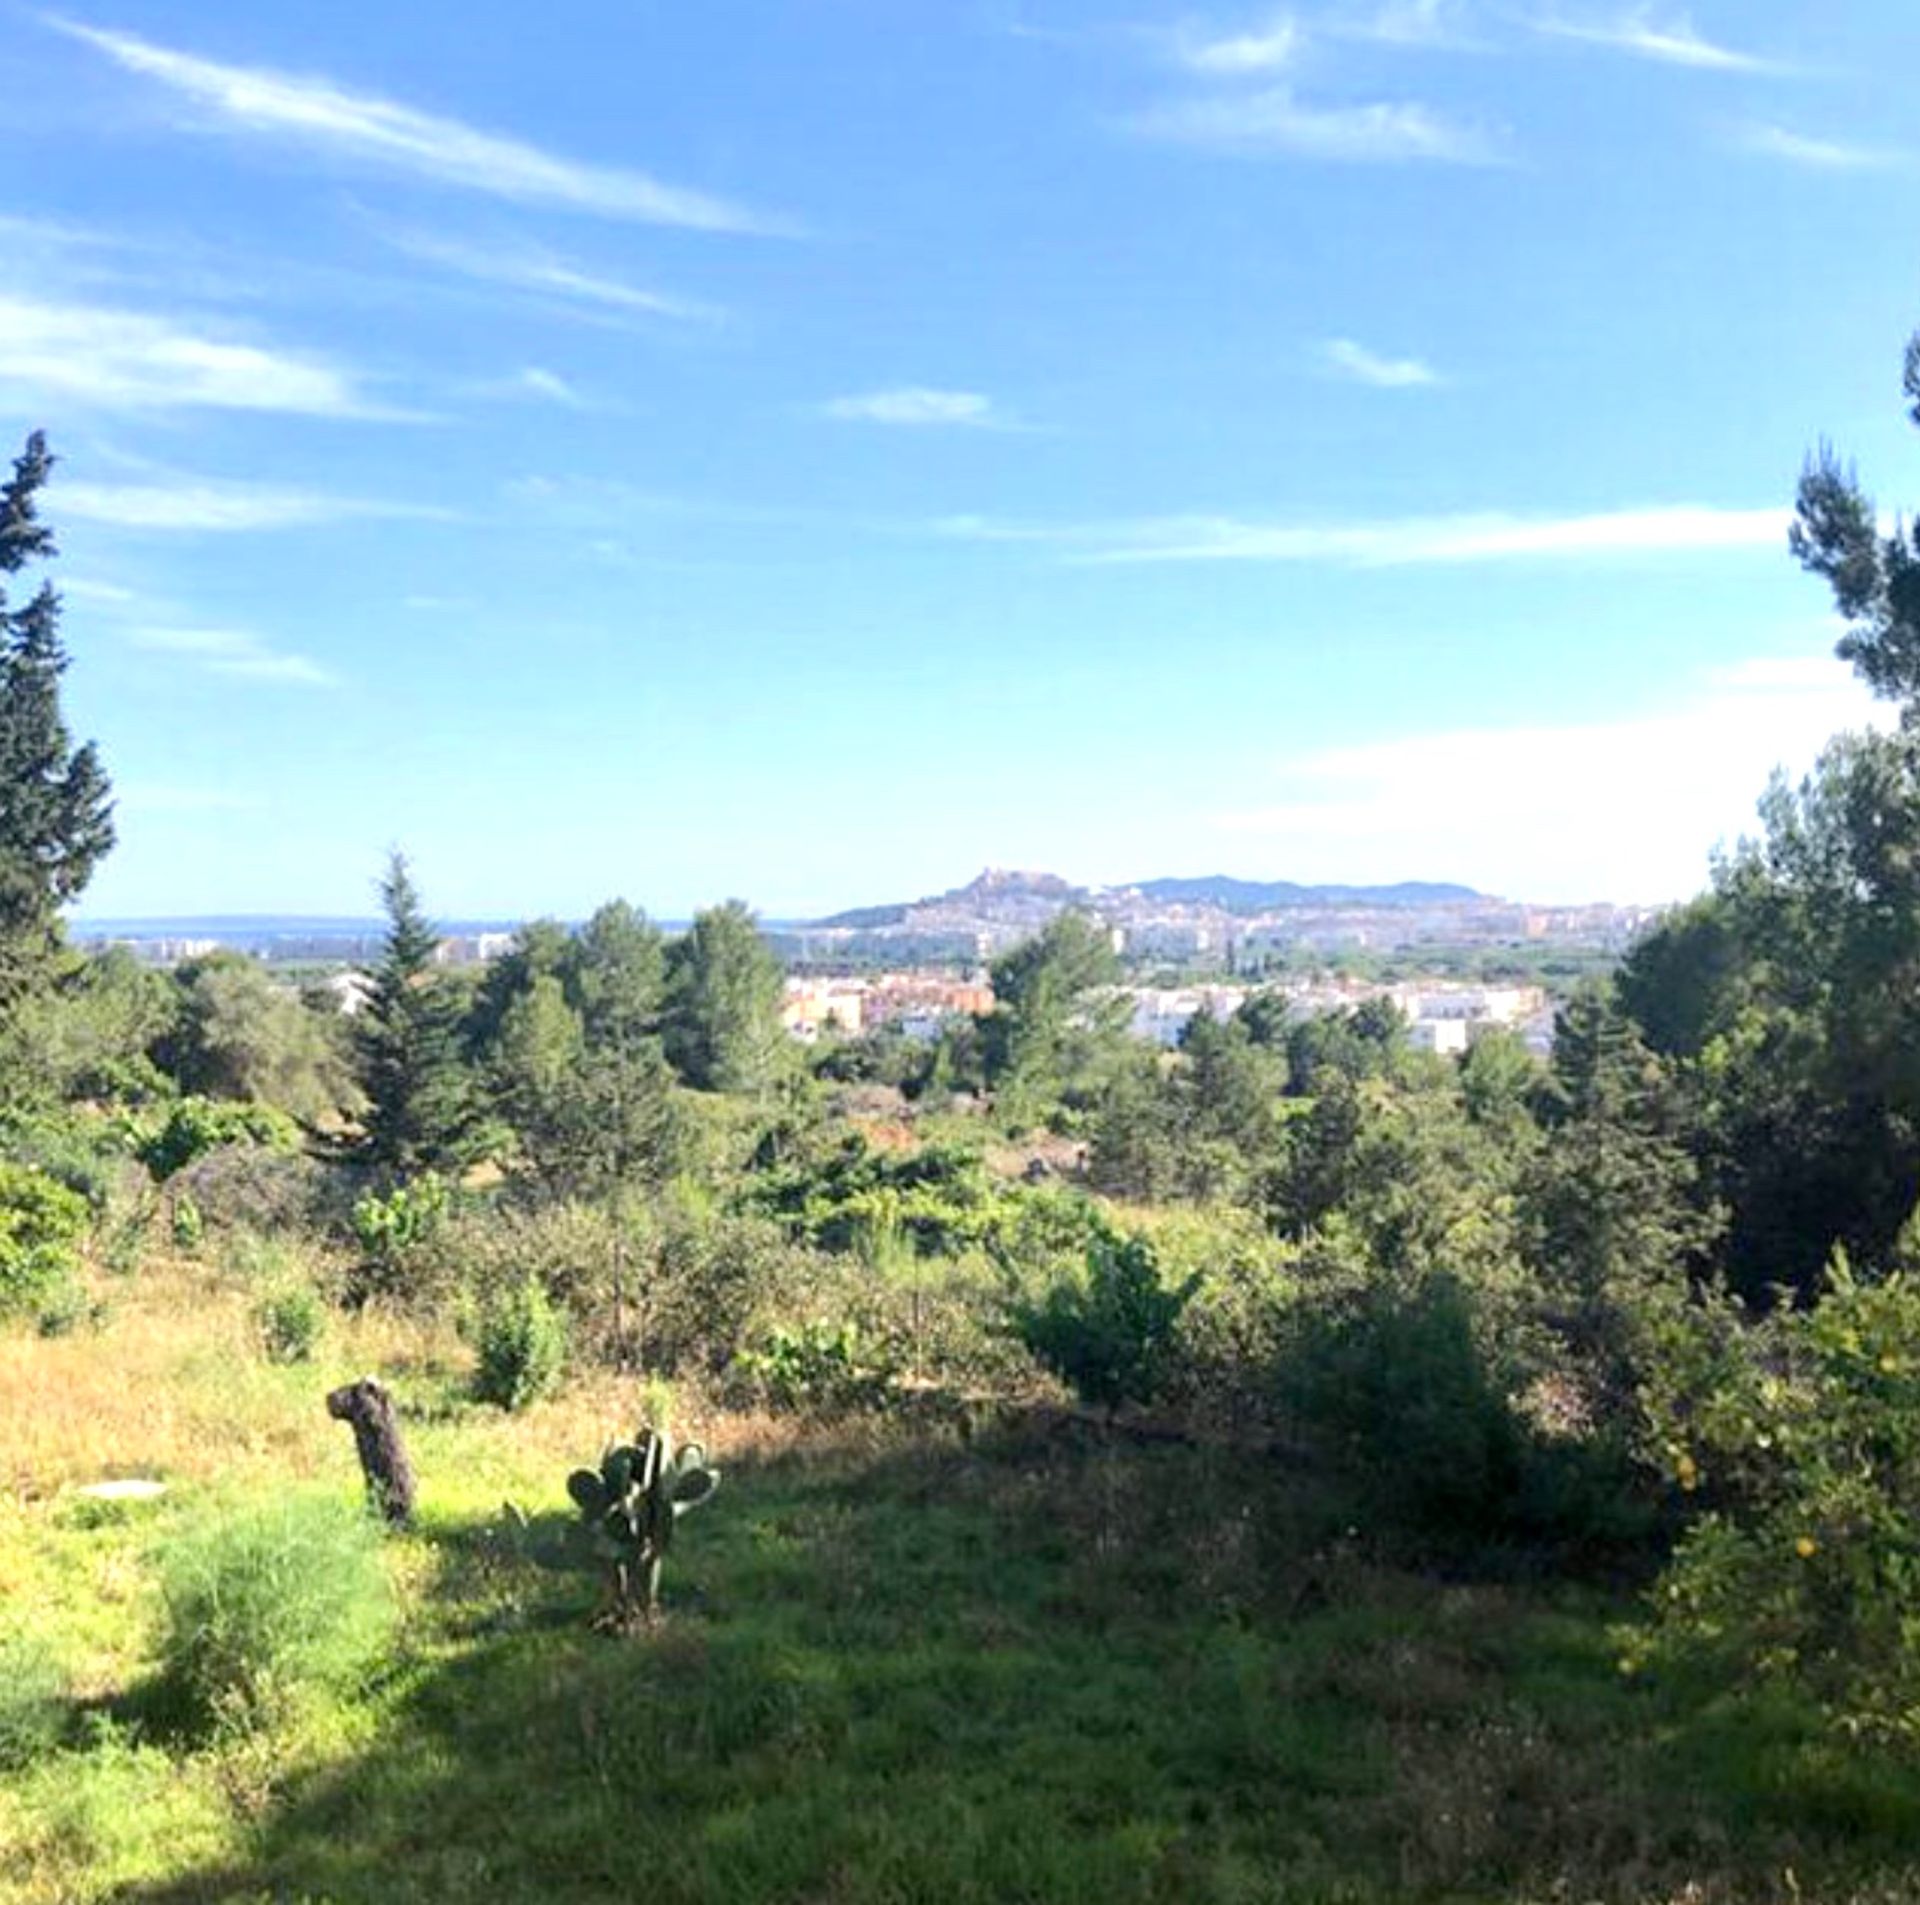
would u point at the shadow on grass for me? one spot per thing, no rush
(1046, 1672)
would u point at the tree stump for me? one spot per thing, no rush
(376, 1436)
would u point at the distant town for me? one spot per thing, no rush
(1455, 962)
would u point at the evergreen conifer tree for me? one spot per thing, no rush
(56, 810)
(1617, 1215)
(421, 1110)
(722, 1018)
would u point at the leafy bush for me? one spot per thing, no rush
(1395, 1386)
(33, 1705)
(1108, 1332)
(1801, 1434)
(194, 1127)
(68, 1309)
(523, 1347)
(818, 1368)
(269, 1604)
(41, 1224)
(671, 1287)
(397, 1234)
(86, 1156)
(249, 1186)
(291, 1321)
(123, 1242)
(939, 1197)
(188, 1227)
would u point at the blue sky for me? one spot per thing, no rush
(810, 451)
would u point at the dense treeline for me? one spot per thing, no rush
(1644, 1301)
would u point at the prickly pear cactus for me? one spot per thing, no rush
(628, 1508)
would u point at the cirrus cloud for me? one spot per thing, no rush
(1277, 121)
(1397, 542)
(1362, 366)
(233, 653)
(320, 114)
(198, 504)
(129, 360)
(1643, 32)
(915, 406)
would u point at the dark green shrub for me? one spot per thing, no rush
(33, 1700)
(41, 1224)
(708, 1281)
(1395, 1387)
(1108, 1331)
(266, 1605)
(192, 1128)
(938, 1197)
(523, 1347)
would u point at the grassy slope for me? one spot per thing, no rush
(896, 1669)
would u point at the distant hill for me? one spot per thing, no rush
(988, 892)
(1262, 896)
(998, 889)
(865, 919)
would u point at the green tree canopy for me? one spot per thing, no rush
(56, 809)
(1875, 577)
(577, 1063)
(1613, 1203)
(1041, 1038)
(421, 1110)
(237, 1033)
(723, 993)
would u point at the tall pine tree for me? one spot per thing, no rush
(722, 1011)
(56, 810)
(1618, 1221)
(421, 1110)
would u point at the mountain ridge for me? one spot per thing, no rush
(1225, 892)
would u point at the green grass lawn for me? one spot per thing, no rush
(904, 1667)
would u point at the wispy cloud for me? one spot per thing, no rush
(128, 360)
(543, 274)
(535, 381)
(1262, 49)
(1672, 39)
(1397, 542)
(186, 504)
(84, 588)
(318, 113)
(1629, 807)
(1405, 23)
(1821, 155)
(56, 233)
(234, 653)
(1362, 366)
(914, 405)
(1278, 121)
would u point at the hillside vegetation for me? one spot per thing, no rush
(1289, 1468)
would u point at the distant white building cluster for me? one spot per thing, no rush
(1441, 1017)
(472, 949)
(917, 1004)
